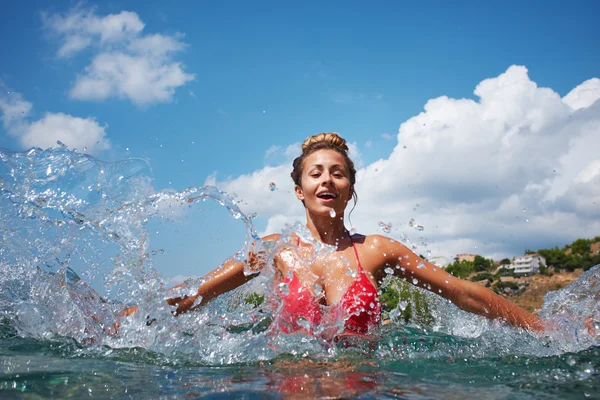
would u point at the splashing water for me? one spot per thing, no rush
(385, 228)
(75, 247)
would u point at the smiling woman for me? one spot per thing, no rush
(339, 288)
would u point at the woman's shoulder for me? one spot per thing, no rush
(376, 239)
(379, 244)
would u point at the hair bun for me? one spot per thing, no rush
(330, 137)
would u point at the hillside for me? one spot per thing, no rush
(538, 285)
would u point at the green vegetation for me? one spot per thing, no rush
(482, 264)
(254, 299)
(417, 307)
(483, 276)
(461, 269)
(579, 255)
(498, 286)
(504, 272)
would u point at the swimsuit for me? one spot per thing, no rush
(359, 307)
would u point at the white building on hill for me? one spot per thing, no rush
(528, 264)
(439, 261)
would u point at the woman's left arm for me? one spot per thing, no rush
(467, 295)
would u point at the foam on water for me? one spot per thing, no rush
(62, 209)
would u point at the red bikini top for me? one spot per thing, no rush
(359, 306)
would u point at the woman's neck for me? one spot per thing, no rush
(327, 230)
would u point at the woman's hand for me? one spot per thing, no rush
(592, 327)
(183, 304)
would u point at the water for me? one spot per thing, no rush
(75, 247)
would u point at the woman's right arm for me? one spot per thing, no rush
(221, 280)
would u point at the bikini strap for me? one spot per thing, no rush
(356, 253)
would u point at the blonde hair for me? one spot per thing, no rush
(330, 141)
(330, 137)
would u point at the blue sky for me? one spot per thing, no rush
(203, 90)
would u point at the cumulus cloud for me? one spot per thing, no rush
(83, 134)
(126, 63)
(516, 168)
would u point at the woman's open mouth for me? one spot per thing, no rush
(327, 197)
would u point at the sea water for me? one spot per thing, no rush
(75, 249)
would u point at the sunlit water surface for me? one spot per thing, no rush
(72, 226)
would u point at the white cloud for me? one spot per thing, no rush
(515, 169)
(127, 64)
(78, 28)
(584, 95)
(14, 108)
(83, 134)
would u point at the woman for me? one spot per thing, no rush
(324, 178)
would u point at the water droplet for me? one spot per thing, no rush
(524, 210)
(272, 186)
(571, 361)
(402, 305)
(526, 219)
(84, 148)
(404, 147)
(587, 371)
(284, 289)
(318, 289)
(303, 323)
(351, 272)
(415, 281)
(372, 305)
(389, 271)
(48, 170)
(411, 223)
(421, 266)
(236, 215)
(385, 228)
(420, 228)
(332, 213)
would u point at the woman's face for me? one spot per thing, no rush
(325, 183)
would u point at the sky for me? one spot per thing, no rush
(480, 122)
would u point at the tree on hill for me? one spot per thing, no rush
(578, 257)
(461, 269)
(505, 261)
(482, 264)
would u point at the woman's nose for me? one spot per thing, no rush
(326, 178)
